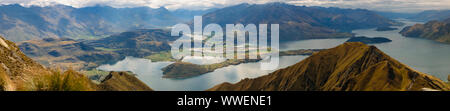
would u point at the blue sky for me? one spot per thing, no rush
(380, 5)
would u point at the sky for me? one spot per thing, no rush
(378, 5)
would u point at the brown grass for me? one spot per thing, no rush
(3, 81)
(2, 84)
(67, 81)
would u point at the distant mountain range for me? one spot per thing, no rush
(430, 15)
(433, 30)
(19, 23)
(299, 22)
(352, 66)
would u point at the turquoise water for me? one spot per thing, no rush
(423, 55)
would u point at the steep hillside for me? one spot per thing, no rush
(352, 66)
(298, 22)
(19, 23)
(433, 30)
(16, 69)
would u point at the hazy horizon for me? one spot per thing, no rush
(405, 6)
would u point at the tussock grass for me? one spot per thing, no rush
(2, 84)
(2, 80)
(67, 81)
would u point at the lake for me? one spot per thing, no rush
(150, 73)
(423, 55)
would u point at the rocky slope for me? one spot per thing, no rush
(299, 22)
(16, 69)
(349, 67)
(433, 30)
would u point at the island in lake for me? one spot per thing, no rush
(368, 40)
(182, 70)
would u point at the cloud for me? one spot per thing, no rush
(171, 4)
(380, 5)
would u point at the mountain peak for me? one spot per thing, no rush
(78, 23)
(351, 66)
(298, 22)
